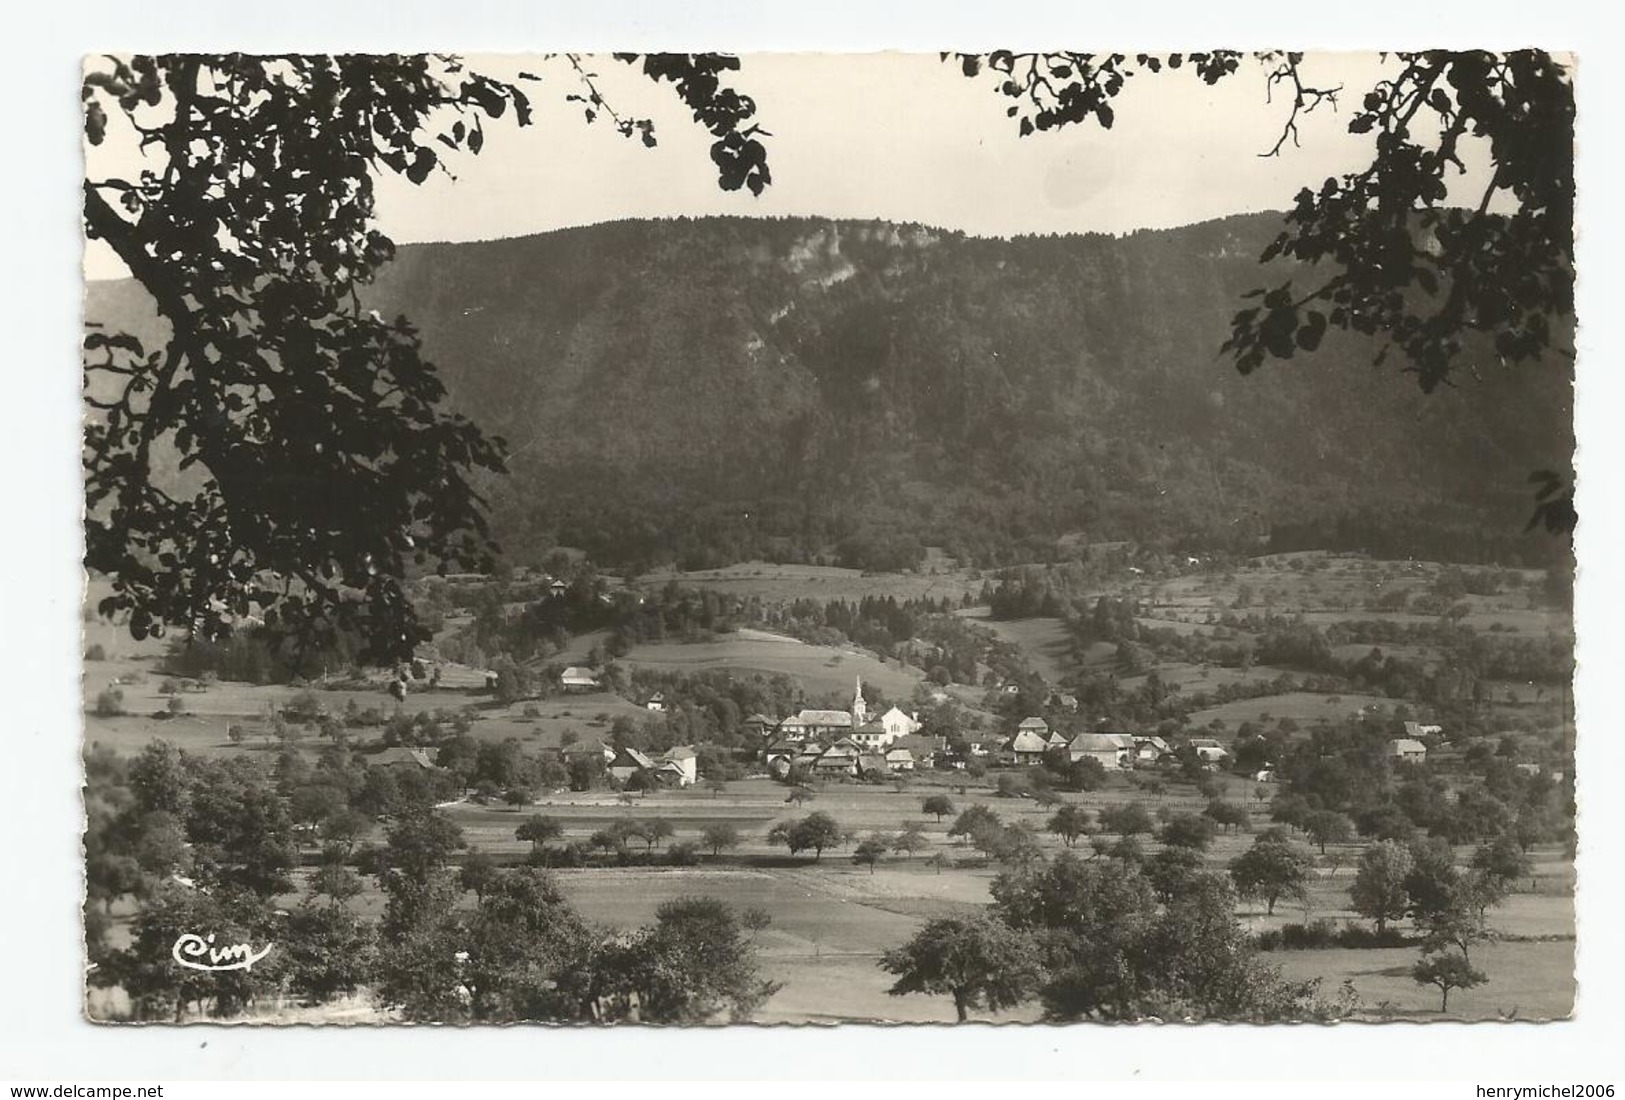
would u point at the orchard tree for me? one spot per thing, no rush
(1446, 971)
(719, 836)
(870, 850)
(939, 805)
(1328, 827)
(538, 829)
(980, 962)
(1379, 883)
(1069, 823)
(1271, 870)
(319, 462)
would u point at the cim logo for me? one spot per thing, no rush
(199, 953)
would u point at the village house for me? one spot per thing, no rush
(840, 758)
(595, 747)
(627, 762)
(760, 725)
(1114, 751)
(871, 736)
(1419, 730)
(898, 724)
(397, 756)
(1407, 750)
(1023, 748)
(872, 764)
(1209, 750)
(1151, 750)
(579, 679)
(656, 702)
(1062, 701)
(679, 766)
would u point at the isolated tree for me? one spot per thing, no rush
(939, 805)
(719, 836)
(800, 795)
(1188, 831)
(938, 861)
(978, 961)
(815, 832)
(1328, 827)
(1446, 971)
(974, 819)
(869, 851)
(1069, 823)
(419, 845)
(253, 231)
(539, 829)
(1503, 859)
(336, 881)
(1379, 883)
(910, 840)
(653, 831)
(1228, 814)
(1170, 871)
(1271, 870)
(1127, 819)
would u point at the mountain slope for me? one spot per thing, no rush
(727, 388)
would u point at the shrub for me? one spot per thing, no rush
(110, 703)
(96, 653)
(683, 854)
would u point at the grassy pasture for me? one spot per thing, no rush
(819, 582)
(823, 671)
(1044, 642)
(1301, 706)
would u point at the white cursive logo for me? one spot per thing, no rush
(197, 953)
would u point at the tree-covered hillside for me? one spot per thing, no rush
(722, 389)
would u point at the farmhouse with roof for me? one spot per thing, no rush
(400, 756)
(1024, 747)
(1113, 750)
(579, 679)
(1407, 750)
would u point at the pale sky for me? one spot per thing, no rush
(902, 137)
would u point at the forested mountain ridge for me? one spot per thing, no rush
(720, 389)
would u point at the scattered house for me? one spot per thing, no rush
(976, 746)
(557, 588)
(872, 763)
(627, 762)
(812, 724)
(1209, 750)
(577, 678)
(1419, 730)
(923, 749)
(1062, 701)
(1151, 750)
(595, 747)
(780, 757)
(760, 725)
(1115, 751)
(898, 724)
(656, 702)
(400, 756)
(899, 759)
(840, 758)
(1528, 769)
(871, 736)
(1407, 750)
(1024, 747)
(1034, 725)
(1010, 687)
(1265, 776)
(679, 766)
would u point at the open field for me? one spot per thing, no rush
(767, 581)
(1300, 706)
(821, 670)
(1044, 642)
